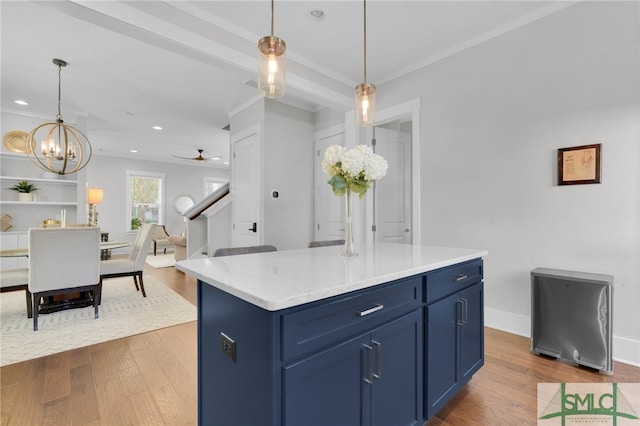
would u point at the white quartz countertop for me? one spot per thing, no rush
(282, 279)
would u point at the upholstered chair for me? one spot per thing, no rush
(160, 239)
(63, 260)
(134, 264)
(232, 251)
(180, 243)
(17, 280)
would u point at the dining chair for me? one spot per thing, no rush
(325, 243)
(134, 264)
(17, 280)
(63, 260)
(232, 251)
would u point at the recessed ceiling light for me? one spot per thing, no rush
(133, 150)
(226, 162)
(317, 13)
(21, 102)
(157, 127)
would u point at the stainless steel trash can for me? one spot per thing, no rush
(571, 317)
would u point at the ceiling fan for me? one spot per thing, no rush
(200, 157)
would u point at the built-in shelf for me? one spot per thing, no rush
(41, 180)
(39, 203)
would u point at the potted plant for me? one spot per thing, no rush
(24, 189)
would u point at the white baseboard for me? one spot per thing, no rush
(624, 350)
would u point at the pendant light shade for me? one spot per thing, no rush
(57, 147)
(365, 104)
(272, 64)
(365, 100)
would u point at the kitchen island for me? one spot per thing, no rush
(306, 337)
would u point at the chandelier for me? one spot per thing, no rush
(271, 64)
(365, 100)
(63, 149)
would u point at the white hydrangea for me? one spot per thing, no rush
(358, 166)
(332, 156)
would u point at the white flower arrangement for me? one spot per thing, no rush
(354, 169)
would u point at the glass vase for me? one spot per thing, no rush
(349, 249)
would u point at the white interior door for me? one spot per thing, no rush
(245, 189)
(329, 209)
(392, 194)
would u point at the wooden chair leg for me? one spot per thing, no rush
(135, 281)
(35, 311)
(154, 248)
(142, 284)
(29, 303)
(97, 292)
(95, 301)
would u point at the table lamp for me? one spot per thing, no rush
(94, 197)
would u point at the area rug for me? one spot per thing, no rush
(161, 260)
(123, 312)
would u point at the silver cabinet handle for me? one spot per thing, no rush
(366, 312)
(459, 308)
(369, 354)
(378, 373)
(461, 277)
(465, 314)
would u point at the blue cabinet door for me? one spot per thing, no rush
(326, 389)
(397, 372)
(442, 352)
(472, 332)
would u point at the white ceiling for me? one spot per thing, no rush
(184, 65)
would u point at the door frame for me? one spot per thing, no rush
(353, 135)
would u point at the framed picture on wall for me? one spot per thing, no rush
(579, 165)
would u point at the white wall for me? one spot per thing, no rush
(288, 168)
(110, 173)
(493, 118)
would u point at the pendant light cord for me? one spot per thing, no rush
(365, 41)
(59, 116)
(272, 13)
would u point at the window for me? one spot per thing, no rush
(145, 198)
(211, 184)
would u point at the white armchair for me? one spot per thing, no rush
(63, 260)
(134, 264)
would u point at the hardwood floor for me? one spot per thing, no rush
(151, 379)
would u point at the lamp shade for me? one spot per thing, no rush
(94, 196)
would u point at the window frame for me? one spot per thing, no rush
(207, 180)
(161, 195)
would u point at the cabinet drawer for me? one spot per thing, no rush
(337, 319)
(446, 281)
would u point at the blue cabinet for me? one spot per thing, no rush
(391, 354)
(372, 379)
(454, 332)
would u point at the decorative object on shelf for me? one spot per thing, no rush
(94, 197)
(352, 171)
(70, 153)
(25, 190)
(579, 165)
(271, 64)
(50, 223)
(16, 141)
(200, 157)
(365, 92)
(5, 222)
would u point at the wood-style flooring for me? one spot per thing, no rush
(151, 379)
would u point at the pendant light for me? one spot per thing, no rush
(271, 64)
(365, 101)
(63, 149)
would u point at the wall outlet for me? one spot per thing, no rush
(228, 346)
